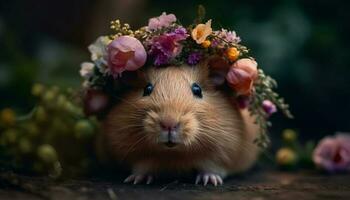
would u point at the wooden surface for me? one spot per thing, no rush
(254, 186)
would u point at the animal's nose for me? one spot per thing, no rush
(169, 134)
(169, 125)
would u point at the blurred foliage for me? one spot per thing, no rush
(54, 139)
(303, 44)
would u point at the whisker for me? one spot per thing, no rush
(127, 127)
(132, 146)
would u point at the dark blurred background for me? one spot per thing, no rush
(302, 44)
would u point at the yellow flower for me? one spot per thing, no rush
(206, 44)
(286, 157)
(8, 116)
(201, 32)
(289, 135)
(232, 54)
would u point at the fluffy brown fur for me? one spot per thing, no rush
(216, 137)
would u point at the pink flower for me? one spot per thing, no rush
(125, 53)
(229, 36)
(269, 107)
(162, 21)
(241, 76)
(333, 153)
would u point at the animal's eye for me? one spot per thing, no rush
(197, 90)
(148, 89)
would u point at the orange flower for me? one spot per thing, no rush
(201, 32)
(241, 76)
(232, 54)
(206, 44)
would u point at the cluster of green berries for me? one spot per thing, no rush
(55, 138)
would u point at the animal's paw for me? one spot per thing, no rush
(206, 178)
(139, 178)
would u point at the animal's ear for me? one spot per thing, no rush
(217, 69)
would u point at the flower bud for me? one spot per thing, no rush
(286, 157)
(83, 129)
(269, 107)
(61, 101)
(206, 44)
(232, 54)
(242, 75)
(8, 117)
(47, 154)
(49, 96)
(72, 109)
(37, 89)
(289, 135)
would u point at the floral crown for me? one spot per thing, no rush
(164, 41)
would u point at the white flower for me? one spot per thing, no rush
(87, 69)
(98, 52)
(98, 48)
(86, 84)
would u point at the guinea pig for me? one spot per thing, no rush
(179, 121)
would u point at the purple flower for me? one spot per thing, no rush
(194, 58)
(179, 34)
(229, 36)
(269, 107)
(215, 42)
(162, 21)
(333, 153)
(165, 47)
